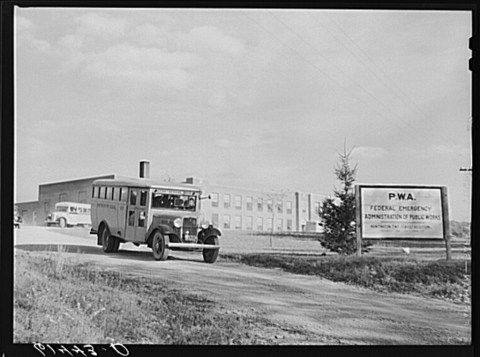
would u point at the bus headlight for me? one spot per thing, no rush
(177, 222)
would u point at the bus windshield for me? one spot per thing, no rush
(172, 201)
(61, 208)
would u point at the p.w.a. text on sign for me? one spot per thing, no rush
(401, 212)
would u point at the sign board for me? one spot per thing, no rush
(403, 212)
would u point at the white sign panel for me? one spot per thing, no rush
(401, 212)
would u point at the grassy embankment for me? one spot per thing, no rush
(60, 301)
(437, 279)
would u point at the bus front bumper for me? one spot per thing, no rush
(193, 245)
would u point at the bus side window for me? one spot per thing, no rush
(123, 194)
(141, 219)
(101, 193)
(133, 198)
(143, 198)
(108, 193)
(113, 194)
(131, 218)
(116, 193)
(94, 191)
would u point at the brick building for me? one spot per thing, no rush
(230, 208)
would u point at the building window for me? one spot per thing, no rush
(317, 208)
(226, 200)
(226, 221)
(238, 202)
(259, 223)
(289, 207)
(270, 206)
(143, 198)
(249, 200)
(215, 219)
(289, 224)
(260, 205)
(249, 223)
(279, 224)
(279, 206)
(238, 222)
(62, 197)
(269, 224)
(46, 207)
(214, 199)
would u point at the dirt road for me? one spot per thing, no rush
(301, 309)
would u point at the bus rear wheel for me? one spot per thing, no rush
(210, 255)
(108, 242)
(160, 246)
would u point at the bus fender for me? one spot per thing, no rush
(163, 228)
(210, 231)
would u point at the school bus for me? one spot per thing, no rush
(163, 216)
(69, 214)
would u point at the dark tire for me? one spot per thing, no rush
(108, 242)
(116, 244)
(62, 223)
(160, 246)
(210, 255)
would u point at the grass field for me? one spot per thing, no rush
(441, 279)
(57, 300)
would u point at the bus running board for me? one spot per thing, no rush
(193, 245)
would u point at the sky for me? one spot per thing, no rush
(261, 99)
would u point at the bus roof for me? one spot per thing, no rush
(66, 203)
(145, 183)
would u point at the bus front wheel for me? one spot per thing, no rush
(160, 246)
(62, 223)
(210, 255)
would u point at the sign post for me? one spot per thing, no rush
(446, 223)
(358, 221)
(402, 212)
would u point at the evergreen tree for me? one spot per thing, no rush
(338, 213)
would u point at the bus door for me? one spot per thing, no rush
(137, 215)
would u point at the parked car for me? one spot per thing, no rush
(16, 218)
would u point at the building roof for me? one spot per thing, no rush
(145, 183)
(80, 179)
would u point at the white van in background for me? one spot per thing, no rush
(68, 214)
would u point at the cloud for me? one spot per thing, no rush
(25, 32)
(213, 39)
(72, 42)
(368, 153)
(101, 25)
(153, 65)
(224, 143)
(22, 24)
